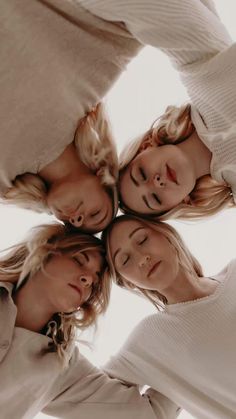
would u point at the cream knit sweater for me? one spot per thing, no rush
(57, 61)
(192, 35)
(188, 352)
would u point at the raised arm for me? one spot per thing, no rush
(186, 30)
(86, 392)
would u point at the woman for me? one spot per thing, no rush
(199, 47)
(190, 341)
(50, 285)
(57, 63)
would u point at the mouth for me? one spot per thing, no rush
(171, 175)
(154, 268)
(76, 289)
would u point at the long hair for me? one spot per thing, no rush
(208, 196)
(26, 258)
(96, 148)
(185, 258)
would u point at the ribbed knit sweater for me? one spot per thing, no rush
(192, 35)
(187, 352)
(57, 61)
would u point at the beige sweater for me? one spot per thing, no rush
(32, 382)
(198, 45)
(188, 352)
(57, 61)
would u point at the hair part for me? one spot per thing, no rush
(208, 196)
(25, 259)
(186, 260)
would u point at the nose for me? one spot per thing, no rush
(86, 280)
(77, 220)
(144, 260)
(159, 181)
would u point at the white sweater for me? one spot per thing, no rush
(191, 34)
(188, 353)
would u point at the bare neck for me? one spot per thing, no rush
(198, 153)
(189, 287)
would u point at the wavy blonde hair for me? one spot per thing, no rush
(25, 259)
(174, 126)
(96, 148)
(186, 260)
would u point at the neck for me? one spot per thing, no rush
(199, 155)
(67, 165)
(189, 287)
(32, 313)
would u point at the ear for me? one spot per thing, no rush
(187, 200)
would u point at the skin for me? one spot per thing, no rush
(75, 194)
(146, 259)
(160, 178)
(64, 284)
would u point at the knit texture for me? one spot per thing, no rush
(187, 352)
(200, 48)
(57, 62)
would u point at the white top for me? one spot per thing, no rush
(57, 61)
(32, 381)
(188, 353)
(192, 35)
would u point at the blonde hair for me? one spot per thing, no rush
(174, 126)
(186, 260)
(28, 257)
(96, 148)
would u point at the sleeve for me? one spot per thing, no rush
(186, 30)
(83, 391)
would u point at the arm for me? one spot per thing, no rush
(186, 30)
(85, 392)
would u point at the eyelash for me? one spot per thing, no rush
(156, 198)
(143, 174)
(126, 260)
(142, 241)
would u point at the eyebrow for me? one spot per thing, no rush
(133, 179)
(130, 235)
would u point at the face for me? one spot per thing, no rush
(84, 203)
(143, 256)
(157, 180)
(69, 280)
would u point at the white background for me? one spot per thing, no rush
(142, 93)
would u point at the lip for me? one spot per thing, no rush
(76, 289)
(171, 175)
(68, 211)
(153, 268)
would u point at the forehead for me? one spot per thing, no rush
(121, 232)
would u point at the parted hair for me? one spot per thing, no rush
(23, 260)
(174, 126)
(96, 148)
(186, 260)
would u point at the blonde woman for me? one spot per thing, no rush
(196, 177)
(57, 152)
(187, 349)
(51, 285)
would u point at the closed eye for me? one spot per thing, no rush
(157, 199)
(125, 261)
(142, 241)
(142, 173)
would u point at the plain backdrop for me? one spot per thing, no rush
(141, 94)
